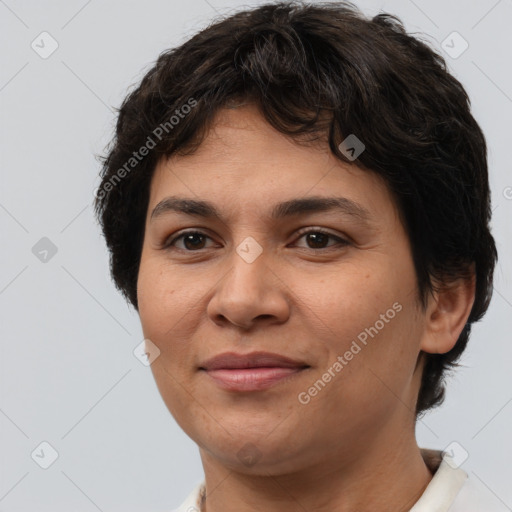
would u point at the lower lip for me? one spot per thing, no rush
(251, 379)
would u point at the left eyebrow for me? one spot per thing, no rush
(293, 207)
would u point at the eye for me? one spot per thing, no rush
(317, 238)
(192, 240)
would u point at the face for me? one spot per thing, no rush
(302, 283)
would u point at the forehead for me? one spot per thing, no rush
(244, 164)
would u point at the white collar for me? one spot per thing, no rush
(446, 483)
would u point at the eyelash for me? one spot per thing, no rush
(341, 241)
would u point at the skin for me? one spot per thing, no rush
(352, 446)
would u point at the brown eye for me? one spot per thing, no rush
(192, 240)
(319, 239)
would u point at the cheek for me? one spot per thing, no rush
(168, 311)
(158, 315)
(161, 307)
(160, 304)
(370, 318)
(344, 304)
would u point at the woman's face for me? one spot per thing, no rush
(341, 305)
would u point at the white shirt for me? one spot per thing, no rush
(450, 490)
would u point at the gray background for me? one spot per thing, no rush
(68, 375)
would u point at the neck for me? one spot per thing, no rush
(386, 476)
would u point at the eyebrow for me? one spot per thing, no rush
(300, 206)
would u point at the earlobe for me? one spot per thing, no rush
(447, 314)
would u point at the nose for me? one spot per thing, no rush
(250, 292)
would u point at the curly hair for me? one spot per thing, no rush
(320, 70)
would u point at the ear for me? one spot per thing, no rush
(446, 315)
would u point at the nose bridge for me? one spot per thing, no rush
(248, 290)
(246, 281)
(249, 250)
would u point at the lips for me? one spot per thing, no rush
(251, 372)
(233, 361)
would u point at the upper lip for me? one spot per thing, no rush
(232, 360)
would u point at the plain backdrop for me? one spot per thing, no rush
(68, 375)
